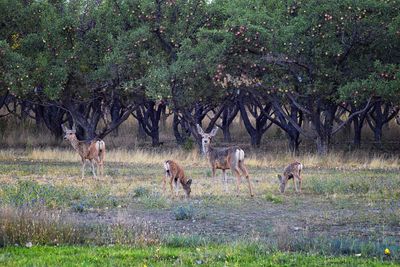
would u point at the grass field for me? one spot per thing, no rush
(348, 213)
(234, 255)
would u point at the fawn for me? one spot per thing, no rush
(94, 150)
(176, 174)
(292, 171)
(225, 158)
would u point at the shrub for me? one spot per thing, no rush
(184, 213)
(154, 200)
(141, 191)
(185, 241)
(274, 198)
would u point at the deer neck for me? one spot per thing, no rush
(76, 145)
(208, 150)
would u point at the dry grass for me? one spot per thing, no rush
(356, 160)
(26, 226)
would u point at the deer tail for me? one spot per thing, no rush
(239, 154)
(100, 145)
(300, 166)
(167, 167)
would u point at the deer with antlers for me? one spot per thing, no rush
(224, 158)
(292, 171)
(93, 150)
(176, 174)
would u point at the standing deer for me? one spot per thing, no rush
(176, 174)
(224, 158)
(292, 171)
(93, 150)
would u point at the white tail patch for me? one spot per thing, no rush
(239, 153)
(100, 145)
(166, 166)
(300, 166)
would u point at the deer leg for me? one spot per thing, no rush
(98, 164)
(170, 185)
(213, 172)
(294, 183)
(237, 172)
(83, 168)
(102, 161)
(299, 178)
(246, 174)
(176, 187)
(224, 181)
(93, 168)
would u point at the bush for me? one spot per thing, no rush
(274, 198)
(184, 213)
(141, 191)
(185, 241)
(31, 194)
(154, 200)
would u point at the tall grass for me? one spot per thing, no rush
(334, 160)
(21, 226)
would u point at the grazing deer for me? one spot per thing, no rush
(94, 150)
(224, 158)
(292, 171)
(176, 174)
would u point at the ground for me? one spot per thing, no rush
(350, 209)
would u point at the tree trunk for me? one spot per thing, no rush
(322, 145)
(228, 115)
(293, 142)
(141, 134)
(182, 134)
(357, 133)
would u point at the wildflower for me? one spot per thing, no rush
(387, 252)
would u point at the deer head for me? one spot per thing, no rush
(282, 184)
(206, 137)
(187, 188)
(69, 133)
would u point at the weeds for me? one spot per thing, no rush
(141, 191)
(274, 198)
(184, 212)
(154, 200)
(41, 227)
(185, 241)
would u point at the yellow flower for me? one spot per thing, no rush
(387, 251)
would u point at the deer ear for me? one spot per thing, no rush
(199, 129)
(214, 131)
(63, 128)
(74, 127)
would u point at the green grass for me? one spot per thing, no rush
(224, 255)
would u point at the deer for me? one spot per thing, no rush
(292, 171)
(176, 174)
(224, 158)
(93, 150)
